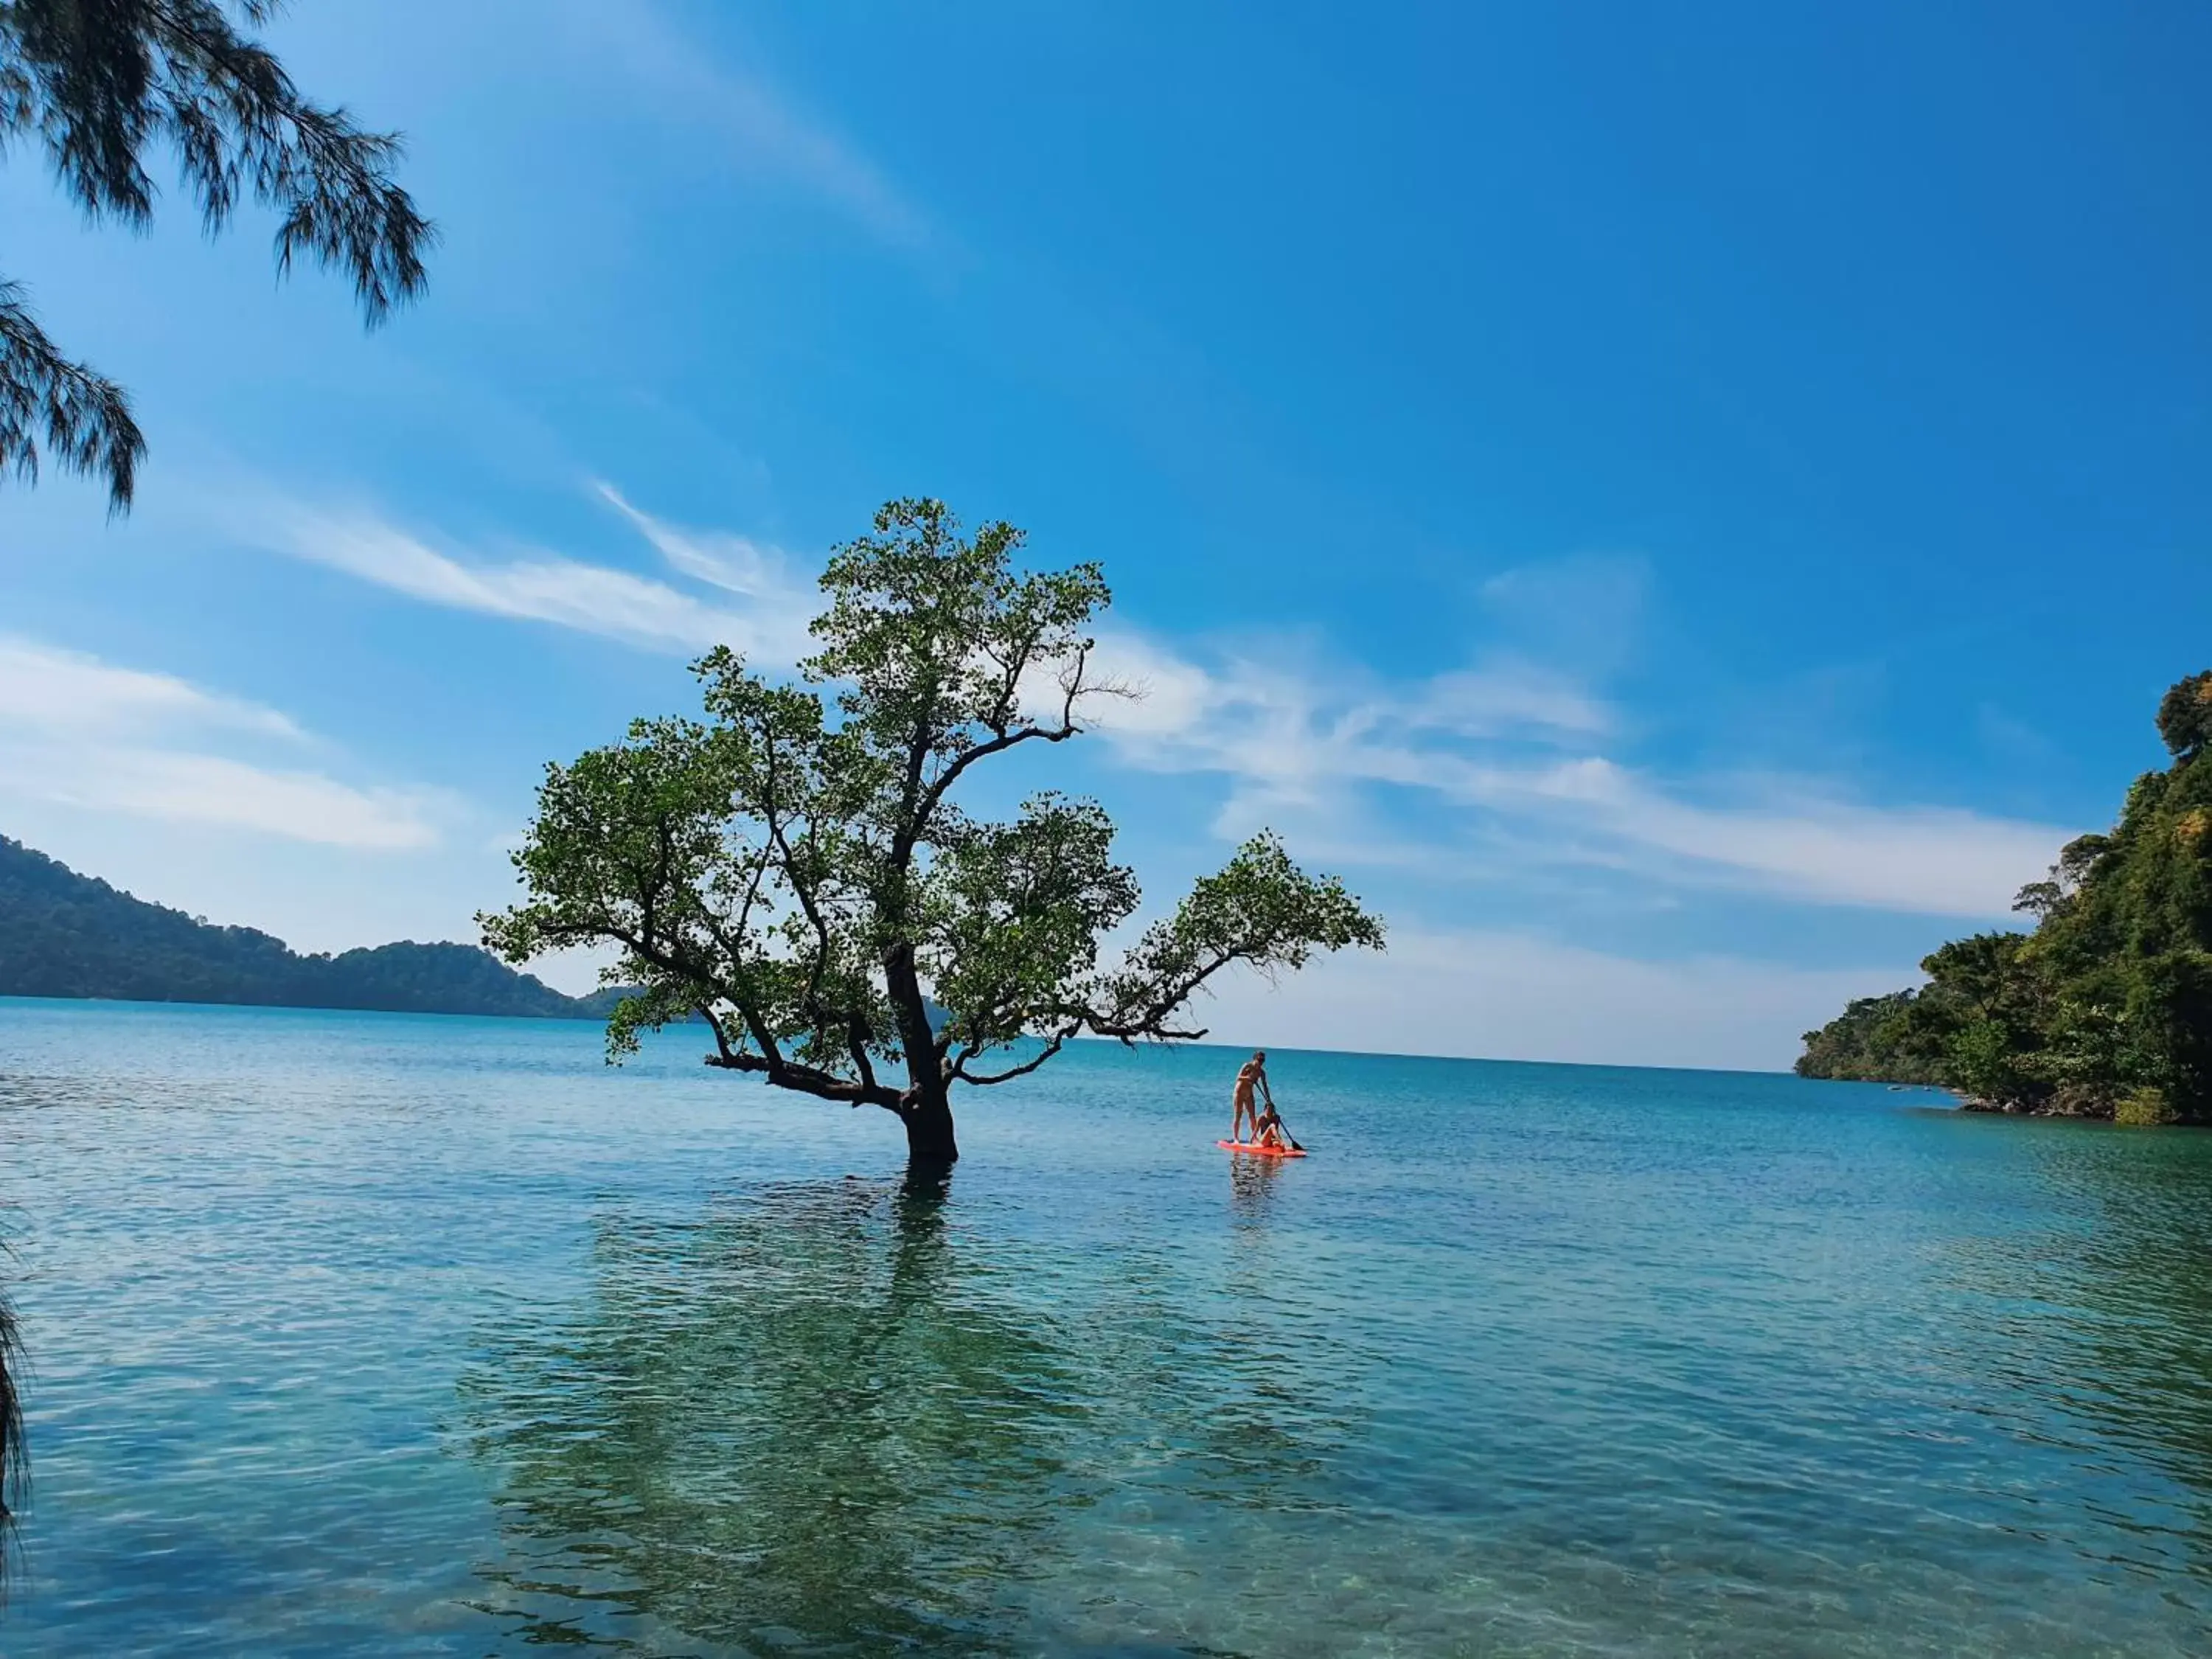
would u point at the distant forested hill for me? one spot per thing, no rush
(66, 935)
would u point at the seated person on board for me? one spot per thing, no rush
(1268, 1131)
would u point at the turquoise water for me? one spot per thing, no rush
(381, 1335)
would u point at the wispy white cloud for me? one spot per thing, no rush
(1506, 699)
(1516, 756)
(183, 788)
(1585, 611)
(1512, 996)
(567, 593)
(1505, 750)
(760, 130)
(1775, 835)
(77, 731)
(779, 602)
(47, 689)
(545, 587)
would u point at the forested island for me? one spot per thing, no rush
(2105, 1010)
(63, 934)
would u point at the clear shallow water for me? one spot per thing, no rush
(378, 1334)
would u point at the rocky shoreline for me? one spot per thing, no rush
(2145, 1108)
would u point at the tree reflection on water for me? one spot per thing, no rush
(2142, 1318)
(820, 1420)
(2099, 1311)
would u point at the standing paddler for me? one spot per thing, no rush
(1253, 1075)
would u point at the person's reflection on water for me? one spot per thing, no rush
(1252, 1189)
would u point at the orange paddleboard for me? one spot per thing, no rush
(1260, 1151)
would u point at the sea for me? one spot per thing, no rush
(378, 1335)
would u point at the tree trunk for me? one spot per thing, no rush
(927, 1113)
(929, 1142)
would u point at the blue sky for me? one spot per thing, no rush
(1686, 509)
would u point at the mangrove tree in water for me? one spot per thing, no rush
(794, 870)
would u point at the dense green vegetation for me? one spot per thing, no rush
(66, 935)
(2106, 1009)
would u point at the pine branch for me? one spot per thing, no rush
(83, 417)
(99, 83)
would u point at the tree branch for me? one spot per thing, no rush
(1011, 666)
(856, 1044)
(997, 745)
(802, 891)
(912, 817)
(84, 417)
(1051, 1047)
(729, 1056)
(237, 118)
(813, 1080)
(770, 1059)
(1158, 1003)
(925, 801)
(1128, 1034)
